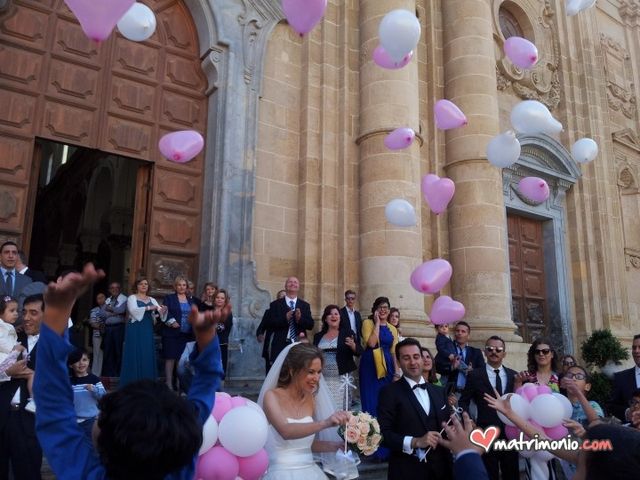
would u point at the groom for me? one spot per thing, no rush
(410, 413)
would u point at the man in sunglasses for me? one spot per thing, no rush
(494, 375)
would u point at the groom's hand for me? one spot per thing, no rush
(429, 439)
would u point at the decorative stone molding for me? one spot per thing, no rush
(628, 138)
(541, 83)
(629, 12)
(619, 77)
(632, 258)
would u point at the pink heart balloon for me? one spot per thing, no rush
(382, 59)
(437, 192)
(521, 52)
(98, 17)
(303, 15)
(534, 188)
(181, 146)
(529, 391)
(400, 138)
(446, 310)
(431, 276)
(448, 115)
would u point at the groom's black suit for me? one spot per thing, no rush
(400, 414)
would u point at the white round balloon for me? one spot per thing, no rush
(567, 408)
(138, 24)
(399, 33)
(546, 410)
(503, 150)
(584, 150)
(243, 431)
(532, 117)
(209, 435)
(519, 405)
(400, 212)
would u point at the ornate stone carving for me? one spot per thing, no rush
(257, 13)
(629, 12)
(632, 258)
(619, 77)
(625, 178)
(541, 83)
(627, 138)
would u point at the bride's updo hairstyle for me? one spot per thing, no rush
(299, 358)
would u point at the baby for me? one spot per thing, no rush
(10, 348)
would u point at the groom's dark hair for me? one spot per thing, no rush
(406, 343)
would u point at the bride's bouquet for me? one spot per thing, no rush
(362, 433)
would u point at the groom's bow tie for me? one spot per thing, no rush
(420, 385)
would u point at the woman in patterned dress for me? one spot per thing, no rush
(338, 346)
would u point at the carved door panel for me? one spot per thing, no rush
(526, 262)
(118, 96)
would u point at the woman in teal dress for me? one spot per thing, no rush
(139, 352)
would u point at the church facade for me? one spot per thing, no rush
(294, 177)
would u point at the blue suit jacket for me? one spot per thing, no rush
(173, 311)
(469, 467)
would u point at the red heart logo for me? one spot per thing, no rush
(484, 438)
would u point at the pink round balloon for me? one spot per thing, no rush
(238, 401)
(400, 138)
(448, 115)
(181, 146)
(521, 52)
(217, 464)
(544, 389)
(382, 59)
(529, 391)
(534, 188)
(431, 276)
(253, 467)
(98, 19)
(557, 432)
(437, 192)
(303, 15)
(511, 432)
(446, 310)
(221, 406)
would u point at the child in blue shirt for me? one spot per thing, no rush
(143, 431)
(87, 390)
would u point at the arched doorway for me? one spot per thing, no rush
(118, 97)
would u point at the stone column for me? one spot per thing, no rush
(388, 99)
(477, 223)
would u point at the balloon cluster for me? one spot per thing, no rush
(233, 439)
(135, 21)
(542, 408)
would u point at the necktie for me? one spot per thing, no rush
(498, 381)
(9, 283)
(420, 385)
(292, 323)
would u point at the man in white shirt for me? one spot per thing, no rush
(20, 447)
(411, 413)
(494, 375)
(350, 317)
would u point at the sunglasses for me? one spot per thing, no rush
(350, 298)
(494, 349)
(542, 351)
(576, 376)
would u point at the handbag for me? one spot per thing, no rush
(379, 361)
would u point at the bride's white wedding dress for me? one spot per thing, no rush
(291, 459)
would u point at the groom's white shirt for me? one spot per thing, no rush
(423, 398)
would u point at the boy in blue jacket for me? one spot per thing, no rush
(143, 430)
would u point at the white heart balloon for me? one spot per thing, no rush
(138, 24)
(400, 212)
(532, 117)
(503, 150)
(399, 33)
(584, 150)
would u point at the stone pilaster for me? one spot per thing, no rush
(388, 99)
(477, 225)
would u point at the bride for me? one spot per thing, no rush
(297, 404)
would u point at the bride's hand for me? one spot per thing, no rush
(338, 418)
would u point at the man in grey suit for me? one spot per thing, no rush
(11, 281)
